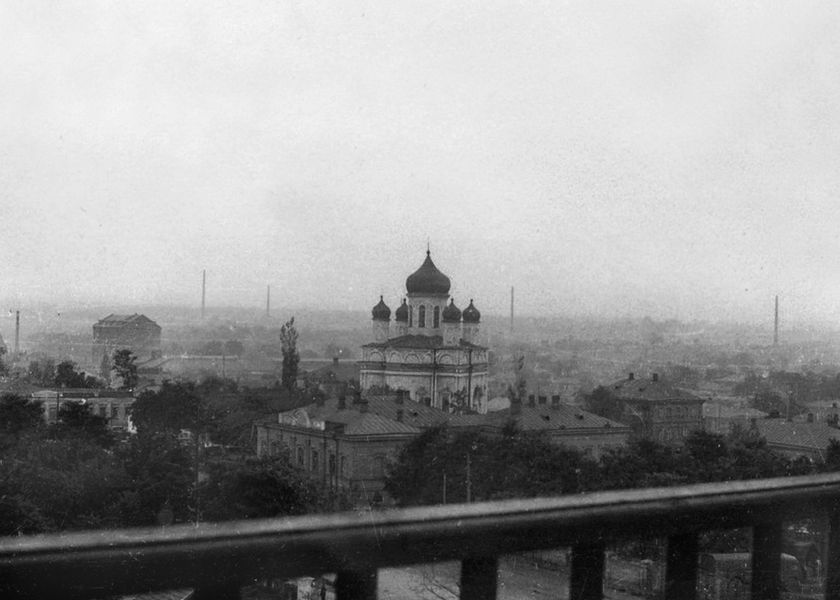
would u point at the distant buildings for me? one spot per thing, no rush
(137, 333)
(657, 410)
(347, 443)
(112, 405)
(432, 353)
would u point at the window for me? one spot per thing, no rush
(102, 409)
(342, 463)
(115, 411)
(332, 464)
(300, 456)
(421, 316)
(437, 317)
(314, 465)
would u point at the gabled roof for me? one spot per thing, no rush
(425, 342)
(649, 390)
(546, 418)
(807, 436)
(115, 320)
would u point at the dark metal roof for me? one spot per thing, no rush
(427, 279)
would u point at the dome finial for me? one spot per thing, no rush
(428, 247)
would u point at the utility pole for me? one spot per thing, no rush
(17, 332)
(203, 290)
(511, 309)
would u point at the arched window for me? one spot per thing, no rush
(421, 316)
(411, 316)
(437, 317)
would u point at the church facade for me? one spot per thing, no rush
(432, 350)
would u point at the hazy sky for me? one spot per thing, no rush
(664, 158)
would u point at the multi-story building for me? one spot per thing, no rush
(656, 410)
(137, 333)
(433, 351)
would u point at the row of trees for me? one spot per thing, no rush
(456, 466)
(44, 372)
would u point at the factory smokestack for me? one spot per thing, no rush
(511, 309)
(776, 324)
(203, 290)
(17, 332)
(268, 301)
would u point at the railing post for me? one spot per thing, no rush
(356, 585)
(586, 581)
(766, 561)
(832, 563)
(223, 591)
(681, 567)
(478, 578)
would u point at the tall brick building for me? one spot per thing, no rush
(137, 333)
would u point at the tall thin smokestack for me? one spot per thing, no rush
(511, 309)
(17, 331)
(268, 301)
(776, 324)
(203, 290)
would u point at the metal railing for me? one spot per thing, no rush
(216, 559)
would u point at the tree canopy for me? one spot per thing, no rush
(126, 369)
(291, 357)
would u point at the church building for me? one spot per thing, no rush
(432, 350)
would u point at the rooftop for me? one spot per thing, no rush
(427, 342)
(649, 389)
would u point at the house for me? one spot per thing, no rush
(657, 410)
(112, 405)
(562, 424)
(794, 439)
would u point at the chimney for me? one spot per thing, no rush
(400, 415)
(531, 400)
(631, 377)
(810, 417)
(654, 377)
(342, 402)
(555, 401)
(515, 407)
(268, 301)
(542, 400)
(776, 324)
(357, 397)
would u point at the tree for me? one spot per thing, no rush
(18, 414)
(291, 357)
(126, 369)
(173, 407)
(76, 420)
(42, 372)
(259, 488)
(67, 376)
(603, 402)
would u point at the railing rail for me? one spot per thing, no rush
(217, 558)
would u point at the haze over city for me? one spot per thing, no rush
(675, 160)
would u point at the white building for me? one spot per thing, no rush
(432, 351)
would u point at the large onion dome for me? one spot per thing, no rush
(381, 312)
(471, 314)
(401, 313)
(451, 314)
(427, 279)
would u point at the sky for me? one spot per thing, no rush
(665, 159)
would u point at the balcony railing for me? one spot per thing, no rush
(216, 559)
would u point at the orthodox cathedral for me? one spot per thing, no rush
(432, 351)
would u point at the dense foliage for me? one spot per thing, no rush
(521, 464)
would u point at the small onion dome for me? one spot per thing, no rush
(401, 313)
(381, 312)
(451, 314)
(471, 314)
(427, 279)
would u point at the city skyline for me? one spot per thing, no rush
(674, 162)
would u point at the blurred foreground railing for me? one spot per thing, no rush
(216, 560)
